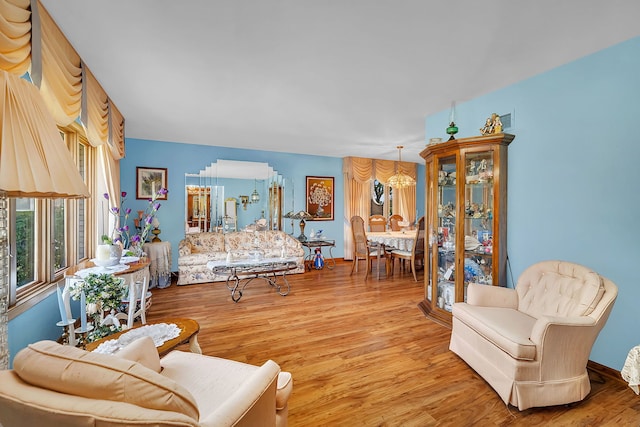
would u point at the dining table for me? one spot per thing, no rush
(391, 240)
(401, 240)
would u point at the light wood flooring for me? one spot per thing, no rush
(362, 354)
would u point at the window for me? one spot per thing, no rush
(25, 215)
(48, 236)
(59, 235)
(381, 199)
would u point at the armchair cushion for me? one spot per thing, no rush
(491, 296)
(144, 351)
(507, 329)
(556, 288)
(70, 370)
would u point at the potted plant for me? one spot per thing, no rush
(103, 294)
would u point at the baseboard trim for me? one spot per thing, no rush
(604, 371)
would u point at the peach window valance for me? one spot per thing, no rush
(61, 86)
(94, 113)
(15, 36)
(358, 169)
(116, 131)
(33, 42)
(363, 169)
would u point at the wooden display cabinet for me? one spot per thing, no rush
(466, 219)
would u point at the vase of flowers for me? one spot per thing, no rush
(104, 293)
(320, 195)
(122, 234)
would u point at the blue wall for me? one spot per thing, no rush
(188, 158)
(573, 175)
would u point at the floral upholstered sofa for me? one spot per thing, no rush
(197, 249)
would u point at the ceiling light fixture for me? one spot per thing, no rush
(255, 197)
(400, 179)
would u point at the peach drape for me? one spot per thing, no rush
(110, 168)
(15, 36)
(357, 173)
(34, 160)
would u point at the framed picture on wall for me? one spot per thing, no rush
(149, 181)
(320, 197)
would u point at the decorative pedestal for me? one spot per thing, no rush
(159, 254)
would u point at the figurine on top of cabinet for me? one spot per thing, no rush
(493, 124)
(487, 128)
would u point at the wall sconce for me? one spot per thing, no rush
(244, 200)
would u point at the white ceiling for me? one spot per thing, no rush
(323, 77)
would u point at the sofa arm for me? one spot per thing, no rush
(184, 247)
(563, 344)
(254, 403)
(491, 296)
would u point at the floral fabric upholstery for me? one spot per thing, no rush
(196, 250)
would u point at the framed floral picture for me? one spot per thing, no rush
(149, 181)
(320, 197)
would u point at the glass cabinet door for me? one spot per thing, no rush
(478, 218)
(446, 232)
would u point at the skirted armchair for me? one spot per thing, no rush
(532, 343)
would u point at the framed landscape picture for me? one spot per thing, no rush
(320, 197)
(149, 181)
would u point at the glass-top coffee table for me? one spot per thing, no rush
(267, 269)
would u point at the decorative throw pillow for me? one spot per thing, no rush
(143, 350)
(70, 370)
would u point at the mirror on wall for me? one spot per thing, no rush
(254, 189)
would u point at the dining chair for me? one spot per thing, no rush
(415, 254)
(137, 303)
(377, 223)
(365, 250)
(394, 221)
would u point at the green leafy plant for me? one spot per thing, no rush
(103, 293)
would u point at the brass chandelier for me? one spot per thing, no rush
(400, 179)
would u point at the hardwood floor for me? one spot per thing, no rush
(363, 354)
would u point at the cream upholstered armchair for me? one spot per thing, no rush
(56, 385)
(532, 343)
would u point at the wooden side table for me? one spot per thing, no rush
(159, 253)
(189, 329)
